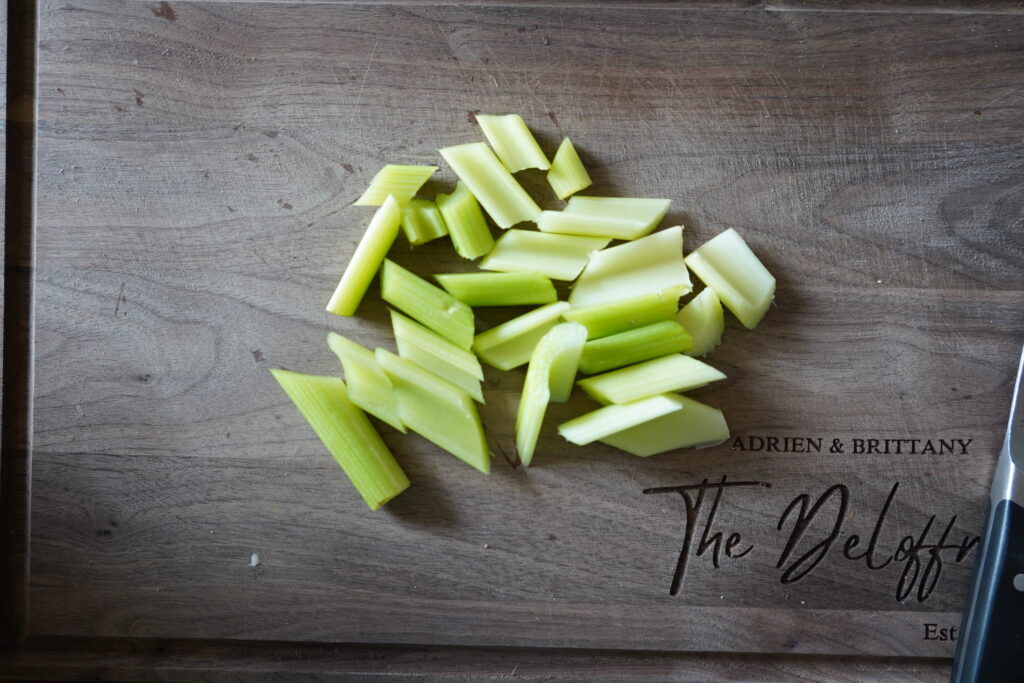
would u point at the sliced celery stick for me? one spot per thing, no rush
(499, 193)
(565, 223)
(647, 210)
(559, 257)
(609, 420)
(438, 411)
(512, 142)
(366, 259)
(605, 319)
(696, 425)
(727, 265)
(402, 182)
(347, 433)
(702, 317)
(633, 346)
(422, 221)
(438, 355)
(427, 304)
(498, 289)
(567, 175)
(668, 373)
(650, 264)
(368, 387)
(511, 344)
(549, 378)
(466, 224)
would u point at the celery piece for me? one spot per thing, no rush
(702, 317)
(727, 265)
(548, 379)
(427, 304)
(647, 210)
(347, 434)
(633, 346)
(559, 257)
(567, 175)
(675, 372)
(696, 425)
(422, 221)
(498, 192)
(366, 259)
(564, 223)
(609, 420)
(498, 289)
(401, 182)
(605, 319)
(648, 265)
(433, 352)
(512, 142)
(368, 387)
(511, 344)
(465, 221)
(438, 411)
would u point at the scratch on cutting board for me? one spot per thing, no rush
(362, 81)
(120, 300)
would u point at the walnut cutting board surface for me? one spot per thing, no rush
(196, 165)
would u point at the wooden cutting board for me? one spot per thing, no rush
(196, 166)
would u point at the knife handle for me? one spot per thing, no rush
(990, 648)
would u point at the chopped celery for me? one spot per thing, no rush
(549, 378)
(564, 223)
(465, 221)
(401, 182)
(696, 425)
(366, 259)
(512, 142)
(427, 304)
(668, 373)
(498, 289)
(368, 387)
(422, 221)
(727, 265)
(633, 346)
(438, 355)
(702, 317)
(438, 411)
(559, 257)
(498, 192)
(605, 319)
(567, 175)
(511, 344)
(647, 211)
(347, 434)
(609, 420)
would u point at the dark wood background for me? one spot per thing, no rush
(194, 163)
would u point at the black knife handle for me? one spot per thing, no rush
(990, 648)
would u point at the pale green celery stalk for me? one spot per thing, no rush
(633, 346)
(609, 420)
(512, 142)
(648, 265)
(368, 387)
(606, 319)
(668, 373)
(402, 182)
(438, 411)
(366, 260)
(498, 289)
(559, 257)
(727, 265)
(466, 224)
(422, 221)
(548, 379)
(564, 223)
(498, 192)
(702, 317)
(438, 355)
(695, 425)
(511, 344)
(567, 175)
(647, 210)
(427, 304)
(347, 434)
